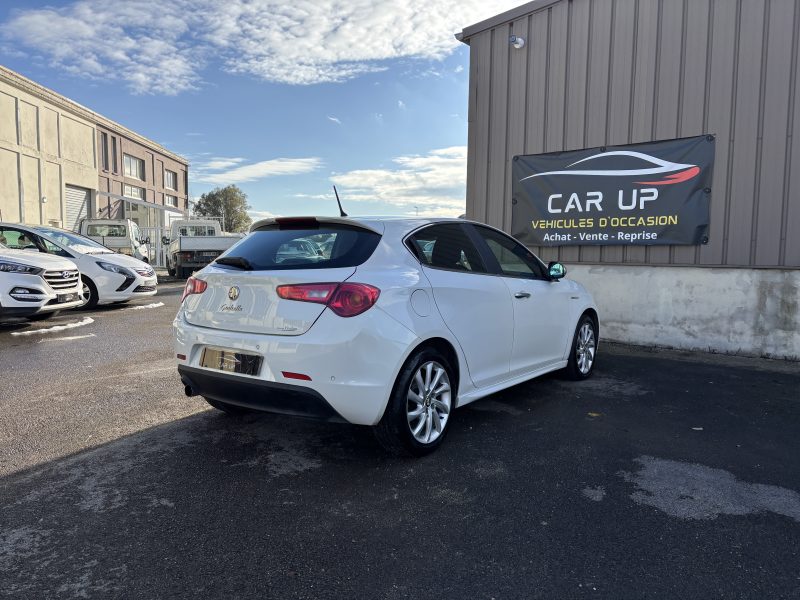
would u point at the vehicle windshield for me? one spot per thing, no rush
(74, 241)
(271, 247)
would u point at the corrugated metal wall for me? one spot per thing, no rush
(606, 72)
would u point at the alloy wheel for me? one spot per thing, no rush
(428, 402)
(585, 348)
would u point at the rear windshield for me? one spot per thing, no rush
(107, 230)
(328, 246)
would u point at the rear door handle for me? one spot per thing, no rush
(522, 295)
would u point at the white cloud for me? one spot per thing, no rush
(257, 215)
(225, 171)
(162, 48)
(334, 119)
(435, 183)
(219, 162)
(401, 105)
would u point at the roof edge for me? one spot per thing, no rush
(510, 15)
(43, 93)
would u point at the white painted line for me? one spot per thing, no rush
(155, 305)
(86, 321)
(67, 339)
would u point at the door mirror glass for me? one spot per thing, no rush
(165, 240)
(556, 270)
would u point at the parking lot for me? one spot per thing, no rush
(667, 474)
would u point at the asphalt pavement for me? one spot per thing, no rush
(666, 475)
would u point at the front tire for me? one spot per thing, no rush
(418, 413)
(583, 351)
(90, 293)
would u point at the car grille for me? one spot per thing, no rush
(61, 280)
(145, 271)
(145, 288)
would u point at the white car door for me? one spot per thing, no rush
(475, 306)
(542, 311)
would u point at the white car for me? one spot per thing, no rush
(381, 332)
(36, 286)
(107, 277)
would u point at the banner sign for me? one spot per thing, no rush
(643, 194)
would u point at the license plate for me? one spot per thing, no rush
(66, 298)
(230, 361)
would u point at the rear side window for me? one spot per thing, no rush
(446, 246)
(328, 246)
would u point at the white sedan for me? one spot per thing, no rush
(404, 321)
(107, 277)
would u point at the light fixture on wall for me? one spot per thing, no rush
(517, 41)
(44, 199)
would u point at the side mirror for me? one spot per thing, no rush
(165, 240)
(555, 270)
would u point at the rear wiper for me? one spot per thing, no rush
(239, 262)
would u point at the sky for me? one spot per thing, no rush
(283, 99)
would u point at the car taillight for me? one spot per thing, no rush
(345, 299)
(193, 286)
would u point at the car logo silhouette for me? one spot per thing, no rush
(233, 293)
(672, 172)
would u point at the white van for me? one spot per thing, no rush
(35, 285)
(120, 235)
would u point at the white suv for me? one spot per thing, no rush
(37, 286)
(402, 322)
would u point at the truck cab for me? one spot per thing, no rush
(194, 243)
(119, 235)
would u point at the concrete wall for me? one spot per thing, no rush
(740, 311)
(42, 148)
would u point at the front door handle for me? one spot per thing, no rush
(522, 295)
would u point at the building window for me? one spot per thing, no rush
(170, 200)
(114, 154)
(104, 151)
(134, 167)
(170, 180)
(131, 191)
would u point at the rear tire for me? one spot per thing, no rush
(418, 414)
(43, 316)
(583, 352)
(170, 271)
(229, 409)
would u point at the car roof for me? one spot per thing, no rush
(378, 224)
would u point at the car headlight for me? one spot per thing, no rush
(115, 269)
(7, 266)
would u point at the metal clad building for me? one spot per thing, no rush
(612, 72)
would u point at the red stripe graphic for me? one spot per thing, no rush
(678, 177)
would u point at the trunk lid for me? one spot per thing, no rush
(247, 301)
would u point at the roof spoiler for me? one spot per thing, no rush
(309, 222)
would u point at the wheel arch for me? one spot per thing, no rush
(592, 313)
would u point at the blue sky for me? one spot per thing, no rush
(284, 99)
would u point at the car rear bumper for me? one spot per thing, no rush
(351, 365)
(268, 396)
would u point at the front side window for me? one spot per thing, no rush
(133, 167)
(446, 246)
(170, 180)
(16, 239)
(515, 260)
(131, 191)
